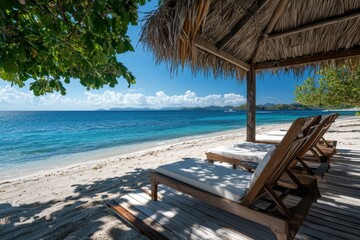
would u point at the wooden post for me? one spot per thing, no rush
(251, 105)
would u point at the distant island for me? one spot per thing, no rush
(261, 107)
(272, 106)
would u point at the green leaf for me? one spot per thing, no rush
(46, 19)
(10, 65)
(32, 37)
(52, 43)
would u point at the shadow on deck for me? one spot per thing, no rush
(336, 215)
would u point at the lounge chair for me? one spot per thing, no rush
(239, 157)
(324, 147)
(254, 196)
(328, 143)
(247, 155)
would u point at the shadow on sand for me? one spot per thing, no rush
(77, 216)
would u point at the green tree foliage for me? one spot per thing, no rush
(53, 41)
(336, 87)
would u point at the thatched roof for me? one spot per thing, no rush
(231, 36)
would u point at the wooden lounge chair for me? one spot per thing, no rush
(254, 196)
(323, 147)
(312, 145)
(245, 155)
(245, 160)
(322, 141)
(248, 155)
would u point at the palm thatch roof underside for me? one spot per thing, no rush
(229, 37)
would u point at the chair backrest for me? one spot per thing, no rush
(317, 133)
(332, 118)
(283, 155)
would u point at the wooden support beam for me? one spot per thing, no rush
(317, 24)
(211, 48)
(344, 53)
(251, 106)
(280, 8)
(242, 22)
(137, 223)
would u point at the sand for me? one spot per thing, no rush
(70, 203)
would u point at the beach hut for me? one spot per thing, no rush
(237, 39)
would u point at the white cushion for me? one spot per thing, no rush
(225, 182)
(269, 138)
(251, 146)
(277, 133)
(254, 152)
(260, 168)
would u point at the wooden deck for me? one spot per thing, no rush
(336, 215)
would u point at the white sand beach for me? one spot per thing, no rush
(70, 203)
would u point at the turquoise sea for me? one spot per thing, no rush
(31, 141)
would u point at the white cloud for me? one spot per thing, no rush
(13, 98)
(161, 99)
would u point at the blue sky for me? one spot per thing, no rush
(155, 87)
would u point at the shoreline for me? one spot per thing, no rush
(59, 162)
(110, 153)
(71, 202)
(39, 168)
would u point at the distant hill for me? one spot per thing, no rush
(273, 107)
(263, 107)
(210, 108)
(126, 109)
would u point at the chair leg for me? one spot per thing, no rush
(154, 190)
(281, 235)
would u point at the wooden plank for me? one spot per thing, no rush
(334, 224)
(329, 215)
(213, 214)
(226, 228)
(336, 208)
(177, 215)
(316, 24)
(199, 218)
(345, 193)
(157, 216)
(230, 220)
(301, 60)
(330, 230)
(141, 222)
(342, 181)
(325, 214)
(251, 106)
(211, 48)
(341, 193)
(320, 220)
(313, 233)
(280, 8)
(225, 204)
(242, 22)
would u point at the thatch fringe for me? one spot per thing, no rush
(169, 32)
(172, 41)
